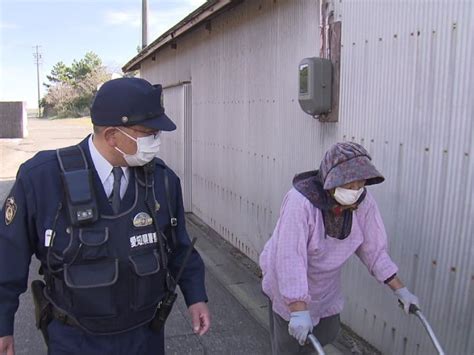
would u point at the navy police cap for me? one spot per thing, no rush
(128, 102)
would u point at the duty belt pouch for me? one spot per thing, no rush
(77, 182)
(43, 314)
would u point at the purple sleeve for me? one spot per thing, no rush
(373, 250)
(291, 254)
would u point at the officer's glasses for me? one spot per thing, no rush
(155, 134)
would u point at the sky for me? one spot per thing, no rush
(66, 30)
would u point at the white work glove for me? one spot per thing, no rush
(300, 326)
(407, 298)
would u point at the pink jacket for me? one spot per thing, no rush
(300, 263)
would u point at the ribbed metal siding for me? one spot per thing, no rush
(406, 94)
(188, 147)
(238, 112)
(172, 147)
(176, 149)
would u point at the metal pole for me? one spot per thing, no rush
(430, 331)
(37, 56)
(144, 23)
(316, 344)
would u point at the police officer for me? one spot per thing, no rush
(106, 220)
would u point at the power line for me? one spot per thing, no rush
(38, 60)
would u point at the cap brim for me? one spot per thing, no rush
(162, 123)
(358, 168)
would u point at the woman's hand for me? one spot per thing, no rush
(405, 297)
(300, 326)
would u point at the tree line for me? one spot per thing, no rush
(71, 88)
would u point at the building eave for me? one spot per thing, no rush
(204, 13)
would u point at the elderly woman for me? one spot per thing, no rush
(326, 217)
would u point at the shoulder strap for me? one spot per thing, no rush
(77, 182)
(171, 209)
(71, 159)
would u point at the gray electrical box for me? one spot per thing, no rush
(315, 78)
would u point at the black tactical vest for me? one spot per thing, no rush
(110, 275)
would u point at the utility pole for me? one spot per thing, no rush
(38, 60)
(144, 23)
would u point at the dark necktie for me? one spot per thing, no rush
(117, 172)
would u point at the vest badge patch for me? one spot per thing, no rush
(142, 219)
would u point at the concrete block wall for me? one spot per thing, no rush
(13, 119)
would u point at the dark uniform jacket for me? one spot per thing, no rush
(34, 204)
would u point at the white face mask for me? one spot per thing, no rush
(147, 149)
(347, 197)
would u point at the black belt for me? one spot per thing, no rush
(63, 318)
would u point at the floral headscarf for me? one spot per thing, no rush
(343, 163)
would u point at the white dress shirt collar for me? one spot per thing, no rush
(102, 166)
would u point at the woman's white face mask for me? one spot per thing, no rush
(147, 149)
(347, 197)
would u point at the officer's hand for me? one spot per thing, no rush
(7, 345)
(200, 317)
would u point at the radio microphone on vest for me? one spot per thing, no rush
(149, 168)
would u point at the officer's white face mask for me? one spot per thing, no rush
(147, 149)
(347, 197)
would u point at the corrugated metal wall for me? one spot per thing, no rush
(176, 148)
(172, 147)
(406, 94)
(187, 179)
(407, 82)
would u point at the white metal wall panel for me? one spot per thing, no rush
(176, 149)
(406, 95)
(172, 147)
(188, 145)
(407, 83)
